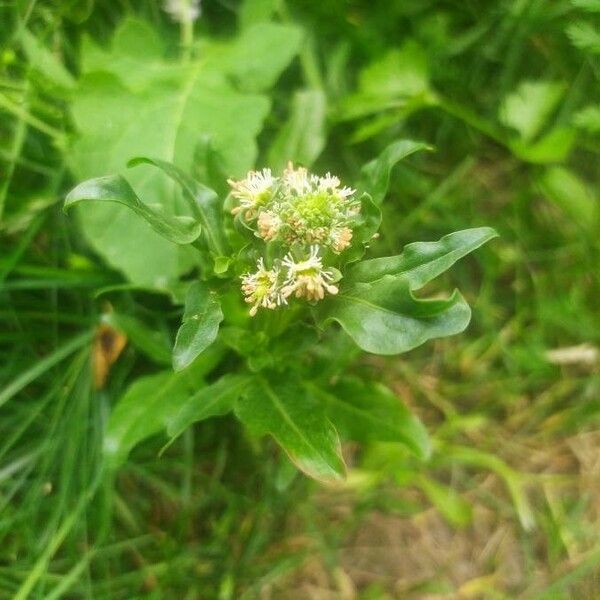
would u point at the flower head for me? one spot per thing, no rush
(253, 192)
(262, 288)
(298, 208)
(304, 218)
(307, 278)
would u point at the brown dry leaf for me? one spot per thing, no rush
(108, 345)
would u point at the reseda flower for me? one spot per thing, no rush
(297, 208)
(310, 217)
(307, 278)
(262, 289)
(253, 192)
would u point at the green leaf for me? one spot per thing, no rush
(555, 146)
(585, 36)
(256, 59)
(587, 5)
(204, 202)
(399, 80)
(151, 403)
(367, 225)
(282, 407)
(44, 62)
(133, 102)
(528, 108)
(383, 317)
(144, 410)
(588, 118)
(115, 188)
(200, 326)
(255, 11)
(302, 138)
(211, 401)
(421, 262)
(368, 412)
(570, 193)
(375, 175)
(401, 72)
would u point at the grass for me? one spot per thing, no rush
(508, 506)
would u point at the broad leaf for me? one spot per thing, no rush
(282, 407)
(367, 412)
(204, 203)
(302, 138)
(256, 59)
(210, 401)
(528, 108)
(375, 175)
(132, 102)
(200, 326)
(553, 147)
(421, 262)
(394, 81)
(569, 192)
(151, 403)
(116, 189)
(383, 317)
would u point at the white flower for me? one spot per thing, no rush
(252, 192)
(262, 289)
(183, 11)
(297, 180)
(307, 278)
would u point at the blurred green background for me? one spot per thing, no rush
(507, 93)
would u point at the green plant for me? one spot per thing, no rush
(292, 247)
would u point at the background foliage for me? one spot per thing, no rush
(506, 93)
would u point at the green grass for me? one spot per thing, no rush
(508, 506)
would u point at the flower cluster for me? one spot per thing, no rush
(308, 215)
(297, 208)
(305, 278)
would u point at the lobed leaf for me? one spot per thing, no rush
(383, 317)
